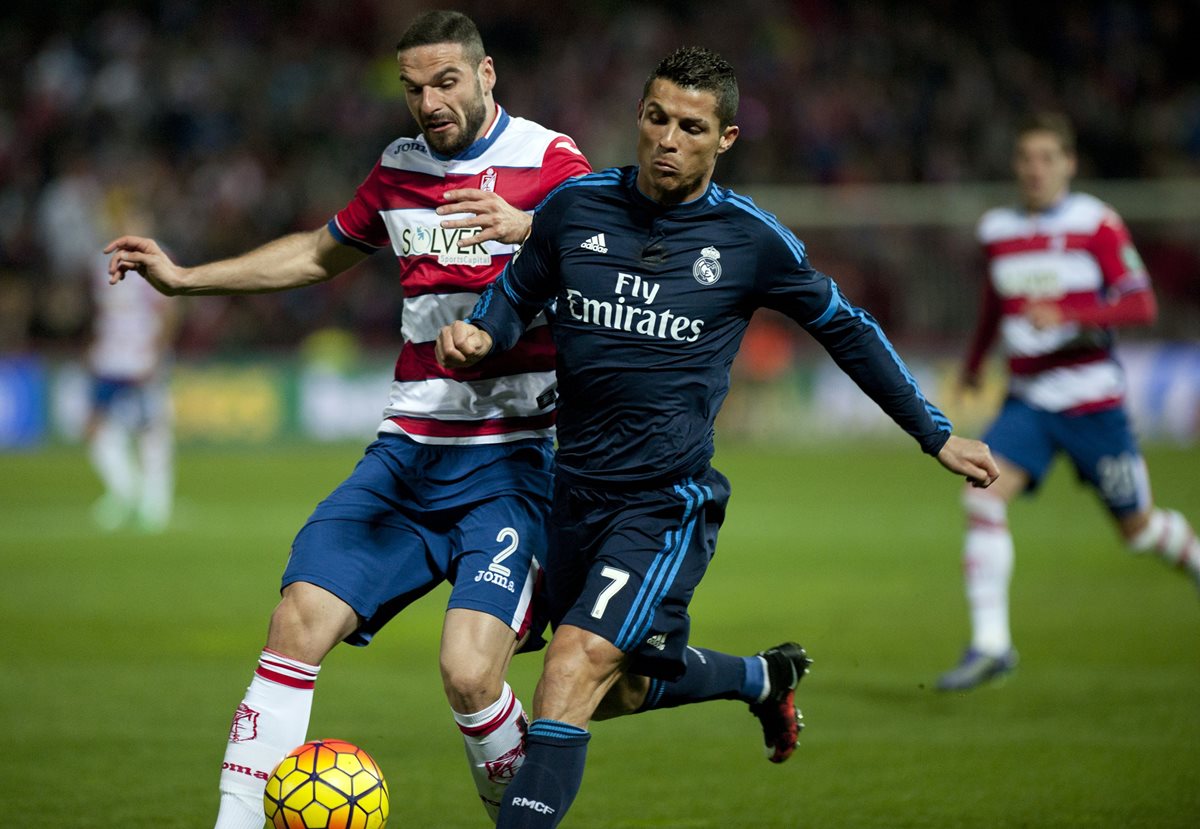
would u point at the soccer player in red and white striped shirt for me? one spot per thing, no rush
(457, 485)
(1062, 273)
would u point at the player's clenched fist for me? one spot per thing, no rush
(971, 458)
(461, 344)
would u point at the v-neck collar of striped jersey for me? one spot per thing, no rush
(1050, 210)
(481, 145)
(697, 205)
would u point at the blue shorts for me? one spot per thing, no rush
(137, 403)
(411, 516)
(624, 565)
(1101, 446)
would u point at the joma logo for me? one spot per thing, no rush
(246, 770)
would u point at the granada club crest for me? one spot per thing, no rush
(707, 269)
(504, 768)
(488, 182)
(245, 724)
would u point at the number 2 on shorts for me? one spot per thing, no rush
(509, 534)
(619, 579)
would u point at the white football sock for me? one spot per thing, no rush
(495, 743)
(271, 720)
(158, 476)
(113, 461)
(987, 570)
(1169, 535)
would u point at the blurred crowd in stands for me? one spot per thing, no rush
(216, 126)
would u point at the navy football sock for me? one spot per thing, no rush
(548, 780)
(709, 675)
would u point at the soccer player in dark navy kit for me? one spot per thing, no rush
(655, 272)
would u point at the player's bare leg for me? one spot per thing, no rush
(626, 696)
(476, 650)
(272, 718)
(987, 572)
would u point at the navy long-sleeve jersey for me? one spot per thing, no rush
(651, 303)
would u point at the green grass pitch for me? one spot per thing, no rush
(124, 656)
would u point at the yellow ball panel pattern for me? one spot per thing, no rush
(327, 784)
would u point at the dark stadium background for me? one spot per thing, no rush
(235, 122)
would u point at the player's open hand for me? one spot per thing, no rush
(144, 256)
(461, 344)
(496, 219)
(971, 458)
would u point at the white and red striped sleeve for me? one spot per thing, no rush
(360, 223)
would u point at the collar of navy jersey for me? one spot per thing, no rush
(481, 145)
(697, 205)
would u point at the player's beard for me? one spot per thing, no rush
(474, 114)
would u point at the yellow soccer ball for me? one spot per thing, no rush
(327, 784)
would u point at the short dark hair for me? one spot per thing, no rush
(1052, 122)
(442, 26)
(694, 67)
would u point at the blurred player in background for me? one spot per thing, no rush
(656, 272)
(129, 429)
(457, 485)
(1062, 273)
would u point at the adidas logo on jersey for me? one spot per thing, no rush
(596, 243)
(658, 641)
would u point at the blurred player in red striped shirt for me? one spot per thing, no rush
(1062, 273)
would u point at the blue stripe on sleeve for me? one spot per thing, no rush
(337, 233)
(939, 419)
(795, 245)
(827, 314)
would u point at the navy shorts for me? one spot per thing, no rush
(411, 516)
(624, 565)
(1101, 446)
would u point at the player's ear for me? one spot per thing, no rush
(486, 74)
(728, 136)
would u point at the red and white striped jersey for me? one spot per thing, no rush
(509, 397)
(1079, 255)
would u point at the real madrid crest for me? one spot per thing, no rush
(707, 269)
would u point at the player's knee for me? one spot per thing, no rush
(307, 623)
(470, 686)
(983, 507)
(1133, 529)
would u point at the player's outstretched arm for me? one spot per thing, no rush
(970, 458)
(497, 220)
(288, 262)
(461, 344)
